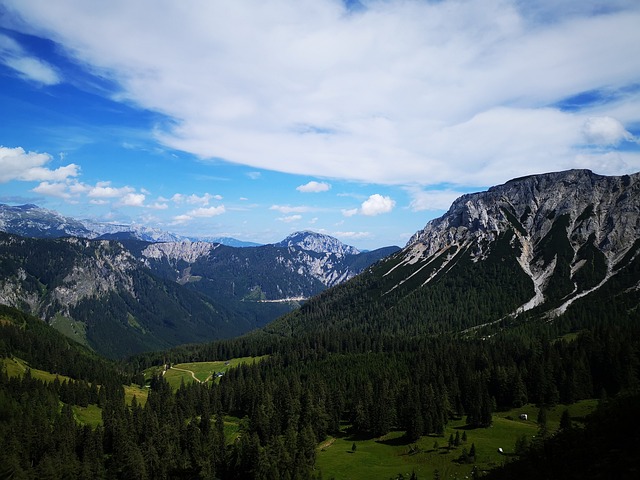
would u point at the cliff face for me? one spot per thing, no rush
(563, 223)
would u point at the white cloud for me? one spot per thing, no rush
(132, 200)
(314, 187)
(59, 190)
(400, 92)
(206, 212)
(605, 131)
(180, 219)
(158, 206)
(31, 68)
(105, 190)
(289, 209)
(422, 200)
(290, 218)
(377, 204)
(352, 235)
(16, 164)
(194, 199)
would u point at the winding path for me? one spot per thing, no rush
(192, 374)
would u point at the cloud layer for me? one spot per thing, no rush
(400, 92)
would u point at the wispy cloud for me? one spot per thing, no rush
(314, 187)
(193, 199)
(27, 66)
(605, 131)
(398, 92)
(291, 209)
(207, 212)
(430, 200)
(290, 218)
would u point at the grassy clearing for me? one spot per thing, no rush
(131, 391)
(17, 367)
(390, 455)
(231, 428)
(90, 415)
(203, 371)
(71, 328)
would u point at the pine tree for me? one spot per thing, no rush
(565, 421)
(542, 421)
(472, 452)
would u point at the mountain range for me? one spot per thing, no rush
(122, 295)
(33, 221)
(534, 247)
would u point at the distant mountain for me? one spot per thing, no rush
(121, 295)
(542, 246)
(317, 242)
(36, 222)
(98, 293)
(277, 272)
(113, 231)
(229, 241)
(32, 221)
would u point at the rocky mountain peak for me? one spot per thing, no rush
(557, 222)
(606, 207)
(317, 242)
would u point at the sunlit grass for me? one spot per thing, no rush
(388, 456)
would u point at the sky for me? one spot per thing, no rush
(358, 119)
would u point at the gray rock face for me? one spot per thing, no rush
(317, 242)
(576, 207)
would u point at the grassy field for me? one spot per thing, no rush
(388, 456)
(17, 367)
(131, 391)
(202, 371)
(90, 415)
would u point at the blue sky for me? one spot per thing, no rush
(254, 119)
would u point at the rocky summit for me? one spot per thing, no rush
(562, 223)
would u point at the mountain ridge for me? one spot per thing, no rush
(31, 220)
(537, 247)
(611, 227)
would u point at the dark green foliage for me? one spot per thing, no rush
(140, 311)
(42, 347)
(471, 293)
(594, 268)
(556, 245)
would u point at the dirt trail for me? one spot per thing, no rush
(188, 371)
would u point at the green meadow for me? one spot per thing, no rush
(388, 456)
(198, 371)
